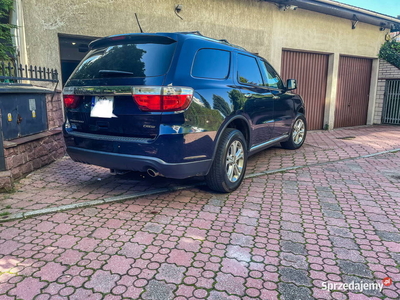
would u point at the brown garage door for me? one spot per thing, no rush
(353, 91)
(310, 70)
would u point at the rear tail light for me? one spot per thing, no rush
(71, 101)
(169, 98)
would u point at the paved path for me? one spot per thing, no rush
(280, 236)
(66, 182)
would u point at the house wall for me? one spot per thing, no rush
(386, 71)
(258, 26)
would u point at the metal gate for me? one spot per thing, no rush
(310, 70)
(391, 103)
(353, 91)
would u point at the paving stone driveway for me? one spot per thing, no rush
(67, 183)
(284, 235)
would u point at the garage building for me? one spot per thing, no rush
(329, 47)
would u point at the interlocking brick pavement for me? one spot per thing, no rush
(279, 236)
(65, 182)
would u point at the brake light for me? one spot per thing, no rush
(148, 102)
(71, 101)
(162, 98)
(118, 38)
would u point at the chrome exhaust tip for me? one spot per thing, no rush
(152, 172)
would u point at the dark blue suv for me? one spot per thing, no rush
(178, 105)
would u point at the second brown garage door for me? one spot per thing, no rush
(353, 91)
(310, 70)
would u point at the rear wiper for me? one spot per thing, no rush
(116, 72)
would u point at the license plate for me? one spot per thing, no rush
(102, 107)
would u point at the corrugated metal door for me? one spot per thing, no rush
(391, 104)
(352, 98)
(310, 70)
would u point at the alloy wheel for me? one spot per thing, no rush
(299, 130)
(234, 161)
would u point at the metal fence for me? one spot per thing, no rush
(391, 104)
(12, 72)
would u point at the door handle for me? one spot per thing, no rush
(275, 97)
(247, 95)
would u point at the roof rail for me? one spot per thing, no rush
(224, 41)
(191, 32)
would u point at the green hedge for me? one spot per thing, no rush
(6, 48)
(390, 51)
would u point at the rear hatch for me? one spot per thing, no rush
(99, 95)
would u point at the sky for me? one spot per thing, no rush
(387, 7)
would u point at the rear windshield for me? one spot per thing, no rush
(126, 60)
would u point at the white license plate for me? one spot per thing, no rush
(102, 107)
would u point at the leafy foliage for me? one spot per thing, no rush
(390, 51)
(221, 105)
(7, 50)
(203, 117)
(112, 58)
(237, 98)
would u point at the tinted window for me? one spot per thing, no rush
(126, 60)
(248, 71)
(211, 63)
(272, 78)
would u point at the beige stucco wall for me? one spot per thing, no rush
(256, 25)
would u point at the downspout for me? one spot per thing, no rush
(18, 34)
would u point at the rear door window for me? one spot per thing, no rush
(248, 70)
(211, 63)
(126, 60)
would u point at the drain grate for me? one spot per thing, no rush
(346, 138)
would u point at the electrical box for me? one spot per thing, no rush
(23, 111)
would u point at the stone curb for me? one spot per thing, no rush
(49, 210)
(38, 212)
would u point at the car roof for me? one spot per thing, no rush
(171, 35)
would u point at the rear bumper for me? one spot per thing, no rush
(139, 163)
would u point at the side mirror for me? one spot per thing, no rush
(291, 84)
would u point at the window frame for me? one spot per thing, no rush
(212, 78)
(259, 70)
(112, 45)
(265, 62)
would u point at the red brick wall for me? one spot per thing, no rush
(25, 158)
(55, 115)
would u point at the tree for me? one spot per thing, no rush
(113, 58)
(390, 51)
(7, 50)
(237, 98)
(221, 105)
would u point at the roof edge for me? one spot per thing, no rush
(361, 10)
(342, 10)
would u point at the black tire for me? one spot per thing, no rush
(294, 141)
(218, 179)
